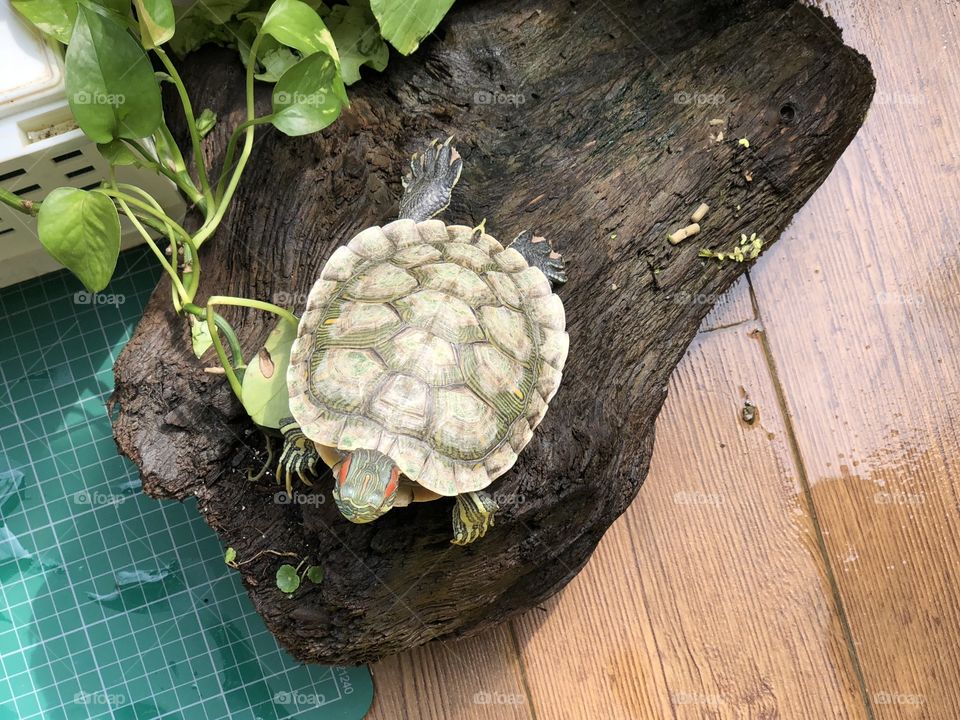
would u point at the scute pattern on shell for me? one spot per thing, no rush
(432, 344)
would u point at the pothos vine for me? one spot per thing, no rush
(114, 94)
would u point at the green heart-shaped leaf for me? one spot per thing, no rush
(297, 25)
(81, 230)
(265, 395)
(110, 83)
(354, 30)
(156, 21)
(406, 24)
(307, 97)
(52, 17)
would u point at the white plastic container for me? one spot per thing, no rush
(41, 148)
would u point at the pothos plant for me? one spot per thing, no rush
(116, 60)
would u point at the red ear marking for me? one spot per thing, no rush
(394, 481)
(345, 468)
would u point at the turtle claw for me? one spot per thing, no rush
(540, 254)
(433, 174)
(473, 516)
(299, 457)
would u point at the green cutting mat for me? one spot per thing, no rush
(114, 605)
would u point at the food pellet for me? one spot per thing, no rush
(700, 213)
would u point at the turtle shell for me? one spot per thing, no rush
(432, 344)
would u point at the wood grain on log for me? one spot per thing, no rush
(588, 123)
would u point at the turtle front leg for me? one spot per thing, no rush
(472, 517)
(299, 456)
(540, 254)
(433, 174)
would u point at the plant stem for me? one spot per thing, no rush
(211, 225)
(181, 291)
(256, 305)
(178, 173)
(267, 552)
(223, 326)
(232, 148)
(191, 125)
(28, 207)
(181, 179)
(221, 353)
(159, 215)
(191, 258)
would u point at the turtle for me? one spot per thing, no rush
(425, 357)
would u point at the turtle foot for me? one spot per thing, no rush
(433, 175)
(540, 254)
(299, 457)
(473, 515)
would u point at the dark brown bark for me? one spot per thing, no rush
(597, 136)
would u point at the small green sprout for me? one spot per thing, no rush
(206, 121)
(743, 142)
(315, 574)
(231, 557)
(200, 336)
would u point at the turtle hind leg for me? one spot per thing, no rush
(472, 517)
(433, 175)
(540, 254)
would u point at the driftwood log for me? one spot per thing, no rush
(597, 124)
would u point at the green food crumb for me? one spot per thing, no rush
(748, 249)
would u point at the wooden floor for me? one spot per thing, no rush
(805, 565)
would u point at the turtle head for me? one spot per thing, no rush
(367, 483)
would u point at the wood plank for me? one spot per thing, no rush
(478, 678)
(864, 329)
(708, 598)
(734, 306)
